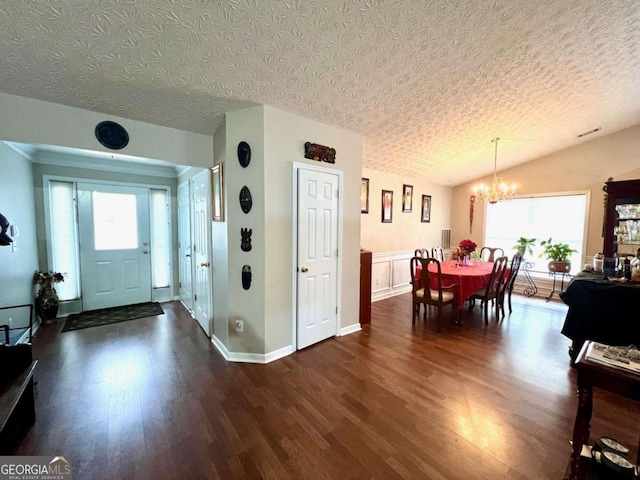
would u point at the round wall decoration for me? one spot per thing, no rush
(112, 135)
(246, 202)
(244, 154)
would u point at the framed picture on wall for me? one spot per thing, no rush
(216, 191)
(387, 206)
(364, 196)
(426, 208)
(407, 197)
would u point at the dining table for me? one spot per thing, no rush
(468, 278)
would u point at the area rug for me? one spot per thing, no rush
(104, 316)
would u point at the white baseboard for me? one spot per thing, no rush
(241, 357)
(356, 327)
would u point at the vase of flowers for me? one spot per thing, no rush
(465, 248)
(47, 298)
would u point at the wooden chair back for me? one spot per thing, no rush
(490, 254)
(437, 253)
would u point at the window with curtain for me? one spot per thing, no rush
(160, 239)
(559, 217)
(64, 257)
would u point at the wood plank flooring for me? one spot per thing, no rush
(152, 399)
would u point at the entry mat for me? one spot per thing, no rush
(104, 316)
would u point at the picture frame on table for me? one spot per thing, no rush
(387, 206)
(407, 197)
(217, 206)
(426, 209)
(364, 196)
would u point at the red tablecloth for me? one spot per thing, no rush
(469, 279)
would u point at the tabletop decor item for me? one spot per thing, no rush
(465, 248)
(47, 298)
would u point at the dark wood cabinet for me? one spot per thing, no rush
(365, 286)
(622, 218)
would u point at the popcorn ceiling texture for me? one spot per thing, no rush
(427, 83)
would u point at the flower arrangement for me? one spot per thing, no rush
(47, 279)
(466, 247)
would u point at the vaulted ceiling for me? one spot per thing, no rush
(427, 83)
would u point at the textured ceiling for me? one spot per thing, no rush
(427, 83)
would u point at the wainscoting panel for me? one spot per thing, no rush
(390, 274)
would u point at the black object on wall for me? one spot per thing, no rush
(112, 135)
(246, 277)
(244, 154)
(4, 226)
(246, 239)
(246, 202)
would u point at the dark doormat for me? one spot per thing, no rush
(104, 316)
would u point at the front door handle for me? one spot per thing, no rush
(304, 269)
(145, 251)
(205, 264)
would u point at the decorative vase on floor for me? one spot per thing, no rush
(47, 304)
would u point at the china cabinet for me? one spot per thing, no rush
(622, 218)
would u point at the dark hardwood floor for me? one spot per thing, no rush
(152, 399)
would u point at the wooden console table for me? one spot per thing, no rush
(591, 374)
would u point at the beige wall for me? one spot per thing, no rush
(406, 232)
(581, 168)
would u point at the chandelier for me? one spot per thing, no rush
(498, 191)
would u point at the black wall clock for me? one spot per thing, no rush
(244, 154)
(112, 135)
(246, 202)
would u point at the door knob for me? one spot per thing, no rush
(304, 269)
(205, 264)
(145, 251)
(188, 255)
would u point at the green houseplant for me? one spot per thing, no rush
(524, 246)
(558, 254)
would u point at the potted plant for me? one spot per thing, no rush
(558, 254)
(525, 246)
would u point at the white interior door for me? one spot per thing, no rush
(317, 295)
(184, 246)
(115, 259)
(201, 188)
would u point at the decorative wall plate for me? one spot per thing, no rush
(244, 154)
(246, 277)
(112, 135)
(246, 202)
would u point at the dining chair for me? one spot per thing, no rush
(507, 286)
(437, 253)
(421, 252)
(439, 297)
(491, 291)
(490, 253)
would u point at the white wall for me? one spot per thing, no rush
(26, 120)
(17, 205)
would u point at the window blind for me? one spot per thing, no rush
(160, 238)
(64, 238)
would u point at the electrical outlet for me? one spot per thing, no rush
(239, 326)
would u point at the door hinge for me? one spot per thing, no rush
(195, 297)
(179, 284)
(336, 310)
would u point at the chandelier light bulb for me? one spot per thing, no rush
(498, 191)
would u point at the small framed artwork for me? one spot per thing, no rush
(364, 196)
(216, 191)
(426, 208)
(407, 197)
(387, 206)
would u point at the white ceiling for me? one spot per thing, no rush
(427, 83)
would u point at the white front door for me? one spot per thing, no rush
(115, 253)
(317, 295)
(201, 188)
(184, 246)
